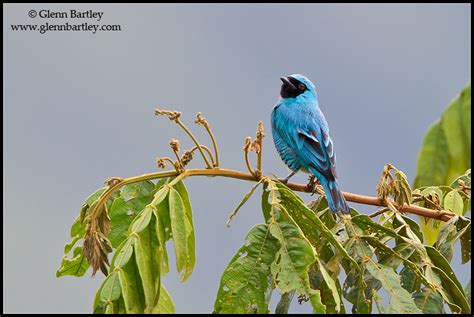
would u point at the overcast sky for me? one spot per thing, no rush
(78, 108)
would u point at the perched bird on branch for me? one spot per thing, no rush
(301, 136)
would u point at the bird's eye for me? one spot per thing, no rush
(301, 86)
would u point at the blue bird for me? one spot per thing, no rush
(301, 136)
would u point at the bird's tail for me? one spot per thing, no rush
(336, 200)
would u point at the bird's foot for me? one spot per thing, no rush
(312, 185)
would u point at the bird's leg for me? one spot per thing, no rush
(311, 186)
(286, 179)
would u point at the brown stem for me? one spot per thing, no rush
(356, 198)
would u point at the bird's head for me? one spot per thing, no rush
(297, 85)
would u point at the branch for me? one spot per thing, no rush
(356, 198)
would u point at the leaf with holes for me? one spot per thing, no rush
(292, 261)
(401, 301)
(75, 266)
(245, 280)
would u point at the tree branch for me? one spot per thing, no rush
(356, 198)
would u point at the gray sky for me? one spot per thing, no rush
(78, 108)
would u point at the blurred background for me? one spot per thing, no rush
(78, 108)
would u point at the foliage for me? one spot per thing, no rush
(299, 250)
(449, 141)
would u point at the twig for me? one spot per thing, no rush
(378, 212)
(259, 148)
(208, 150)
(202, 121)
(248, 144)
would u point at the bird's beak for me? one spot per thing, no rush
(286, 82)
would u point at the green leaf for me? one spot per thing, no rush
(160, 195)
(449, 280)
(307, 220)
(453, 202)
(354, 291)
(245, 280)
(429, 302)
(449, 141)
(165, 304)
(178, 227)
(191, 245)
(446, 150)
(138, 195)
(411, 227)
(75, 266)
(148, 263)
(464, 224)
(243, 201)
(366, 223)
(122, 254)
(466, 178)
(454, 229)
(77, 228)
(117, 307)
(292, 261)
(108, 292)
(134, 190)
(142, 220)
(330, 294)
(393, 257)
(131, 285)
(409, 280)
(68, 246)
(452, 294)
(457, 134)
(467, 291)
(433, 276)
(161, 235)
(119, 221)
(440, 261)
(266, 205)
(77, 232)
(431, 171)
(400, 300)
(89, 202)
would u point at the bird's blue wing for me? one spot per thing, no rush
(316, 149)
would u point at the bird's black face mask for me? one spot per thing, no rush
(291, 87)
